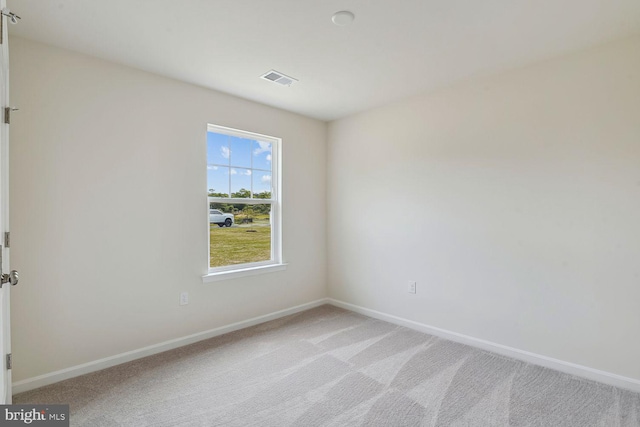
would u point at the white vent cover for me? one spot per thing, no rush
(277, 77)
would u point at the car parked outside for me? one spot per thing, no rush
(222, 219)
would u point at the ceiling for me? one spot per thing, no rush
(392, 50)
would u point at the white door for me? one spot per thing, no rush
(5, 329)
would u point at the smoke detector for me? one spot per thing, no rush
(343, 18)
(277, 77)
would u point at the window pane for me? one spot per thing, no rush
(217, 149)
(240, 182)
(241, 234)
(262, 155)
(217, 181)
(261, 184)
(240, 167)
(240, 151)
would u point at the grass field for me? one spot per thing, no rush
(237, 245)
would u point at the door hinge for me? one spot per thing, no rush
(7, 114)
(9, 361)
(7, 239)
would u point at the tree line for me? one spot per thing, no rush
(235, 208)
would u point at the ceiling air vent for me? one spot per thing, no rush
(277, 77)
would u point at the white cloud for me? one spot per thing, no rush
(268, 157)
(212, 168)
(234, 172)
(263, 147)
(248, 172)
(266, 178)
(225, 151)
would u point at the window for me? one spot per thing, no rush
(244, 205)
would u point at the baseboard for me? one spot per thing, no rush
(107, 362)
(536, 359)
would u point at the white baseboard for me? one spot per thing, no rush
(536, 359)
(107, 362)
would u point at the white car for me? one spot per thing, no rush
(220, 218)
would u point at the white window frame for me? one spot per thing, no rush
(252, 268)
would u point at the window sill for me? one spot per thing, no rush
(244, 272)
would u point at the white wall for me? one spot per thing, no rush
(108, 209)
(513, 201)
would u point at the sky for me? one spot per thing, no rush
(247, 162)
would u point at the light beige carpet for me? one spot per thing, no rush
(330, 367)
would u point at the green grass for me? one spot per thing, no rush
(236, 245)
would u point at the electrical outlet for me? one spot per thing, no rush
(412, 287)
(184, 298)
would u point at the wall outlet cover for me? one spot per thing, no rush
(184, 298)
(412, 287)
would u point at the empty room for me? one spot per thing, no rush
(320, 213)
